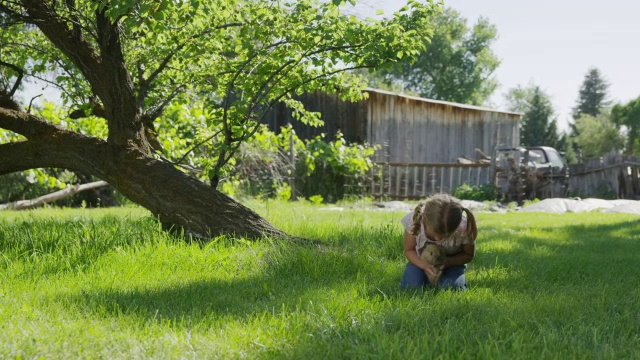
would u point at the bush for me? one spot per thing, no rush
(486, 192)
(328, 169)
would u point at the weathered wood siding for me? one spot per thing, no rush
(418, 130)
(348, 117)
(417, 181)
(407, 129)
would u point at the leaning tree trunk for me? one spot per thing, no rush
(177, 200)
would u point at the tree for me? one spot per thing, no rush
(593, 95)
(598, 135)
(538, 127)
(457, 66)
(629, 115)
(122, 62)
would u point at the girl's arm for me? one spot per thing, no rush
(411, 254)
(464, 256)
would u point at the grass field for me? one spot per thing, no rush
(108, 283)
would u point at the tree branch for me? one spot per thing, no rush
(81, 53)
(54, 196)
(56, 60)
(27, 125)
(145, 83)
(31, 103)
(96, 110)
(197, 145)
(158, 110)
(16, 85)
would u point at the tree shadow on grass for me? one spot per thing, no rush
(301, 275)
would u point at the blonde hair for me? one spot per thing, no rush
(443, 214)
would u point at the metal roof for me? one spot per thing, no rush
(458, 105)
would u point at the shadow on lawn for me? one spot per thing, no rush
(572, 255)
(300, 276)
(547, 260)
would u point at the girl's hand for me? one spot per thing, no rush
(432, 270)
(433, 274)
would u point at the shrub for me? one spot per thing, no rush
(486, 192)
(326, 168)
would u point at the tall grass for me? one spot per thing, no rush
(111, 284)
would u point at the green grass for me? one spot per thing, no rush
(108, 283)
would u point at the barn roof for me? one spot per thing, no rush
(458, 105)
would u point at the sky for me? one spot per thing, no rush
(554, 43)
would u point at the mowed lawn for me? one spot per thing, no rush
(108, 283)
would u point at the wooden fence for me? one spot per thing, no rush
(611, 176)
(416, 181)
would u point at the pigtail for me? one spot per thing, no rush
(472, 228)
(417, 220)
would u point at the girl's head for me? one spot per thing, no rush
(441, 215)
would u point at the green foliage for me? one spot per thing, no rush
(112, 284)
(530, 202)
(486, 192)
(592, 98)
(233, 59)
(316, 199)
(629, 115)
(458, 64)
(597, 136)
(321, 168)
(567, 148)
(538, 126)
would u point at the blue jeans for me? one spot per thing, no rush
(451, 278)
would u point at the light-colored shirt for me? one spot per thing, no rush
(450, 245)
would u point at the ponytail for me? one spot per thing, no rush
(472, 228)
(417, 220)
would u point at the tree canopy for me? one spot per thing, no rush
(458, 65)
(122, 63)
(598, 135)
(592, 96)
(629, 115)
(538, 126)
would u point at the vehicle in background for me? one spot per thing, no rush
(523, 173)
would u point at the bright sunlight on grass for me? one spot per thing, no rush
(108, 283)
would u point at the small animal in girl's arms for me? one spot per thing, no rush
(434, 256)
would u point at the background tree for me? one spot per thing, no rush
(593, 94)
(629, 115)
(598, 135)
(458, 65)
(122, 62)
(538, 126)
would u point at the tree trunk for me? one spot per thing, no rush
(177, 200)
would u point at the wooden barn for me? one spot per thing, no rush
(420, 139)
(408, 129)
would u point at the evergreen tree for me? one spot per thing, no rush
(538, 127)
(592, 97)
(567, 149)
(551, 134)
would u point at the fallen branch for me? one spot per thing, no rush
(61, 194)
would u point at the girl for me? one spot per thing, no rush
(444, 221)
